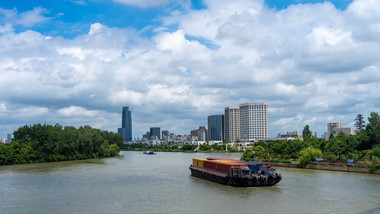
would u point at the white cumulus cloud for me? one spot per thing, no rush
(312, 64)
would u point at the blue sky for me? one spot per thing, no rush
(77, 62)
(69, 18)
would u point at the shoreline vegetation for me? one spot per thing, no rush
(362, 149)
(47, 143)
(363, 166)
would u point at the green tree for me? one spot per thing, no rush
(359, 122)
(114, 150)
(204, 147)
(370, 136)
(40, 143)
(308, 155)
(215, 146)
(247, 155)
(189, 147)
(260, 152)
(306, 133)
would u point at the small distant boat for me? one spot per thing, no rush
(149, 153)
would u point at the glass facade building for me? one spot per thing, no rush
(155, 131)
(126, 124)
(215, 127)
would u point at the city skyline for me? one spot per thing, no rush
(176, 62)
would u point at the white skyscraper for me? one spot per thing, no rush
(253, 121)
(231, 124)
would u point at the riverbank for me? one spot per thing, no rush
(329, 167)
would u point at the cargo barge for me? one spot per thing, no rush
(234, 172)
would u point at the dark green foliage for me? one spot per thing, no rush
(189, 147)
(44, 143)
(362, 147)
(247, 155)
(329, 156)
(374, 168)
(306, 133)
(260, 153)
(308, 155)
(360, 123)
(283, 149)
(205, 147)
(370, 136)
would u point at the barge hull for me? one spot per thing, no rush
(208, 176)
(231, 181)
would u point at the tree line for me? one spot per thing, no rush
(46, 143)
(176, 148)
(365, 145)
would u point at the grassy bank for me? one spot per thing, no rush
(343, 167)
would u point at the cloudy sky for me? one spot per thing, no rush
(174, 62)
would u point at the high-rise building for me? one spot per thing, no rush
(253, 121)
(336, 128)
(332, 126)
(165, 133)
(155, 132)
(146, 135)
(215, 127)
(126, 124)
(231, 124)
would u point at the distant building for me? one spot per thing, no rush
(344, 130)
(200, 133)
(155, 132)
(146, 135)
(215, 130)
(231, 124)
(288, 134)
(165, 133)
(253, 121)
(126, 124)
(336, 128)
(9, 136)
(332, 126)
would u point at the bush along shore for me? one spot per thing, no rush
(46, 143)
(362, 149)
(331, 166)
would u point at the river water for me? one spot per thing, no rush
(137, 183)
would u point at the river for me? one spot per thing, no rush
(137, 183)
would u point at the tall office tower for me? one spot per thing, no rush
(253, 121)
(155, 131)
(231, 124)
(215, 127)
(126, 124)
